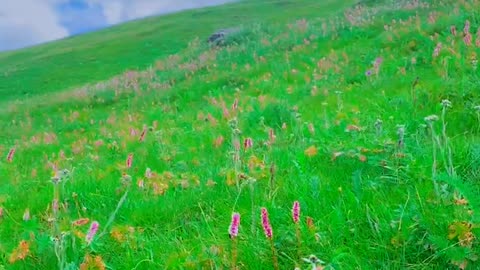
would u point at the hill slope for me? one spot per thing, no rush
(135, 45)
(367, 117)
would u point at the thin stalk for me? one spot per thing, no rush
(252, 202)
(434, 165)
(299, 240)
(274, 254)
(446, 146)
(234, 253)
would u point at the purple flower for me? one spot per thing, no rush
(248, 143)
(92, 231)
(296, 211)
(267, 227)
(368, 73)
(233, 230)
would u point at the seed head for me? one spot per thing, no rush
(446, 103)
(431, 118)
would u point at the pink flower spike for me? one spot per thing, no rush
(133, 132)
(129, 160)
(233, 230)
(248, 143)
(142, 135)
(91, 232)
(235, 104)
(468, 39)
(466, 29)
(296, 212)
(453, 30)
(267, 227)
(10, 154)
(271, 135)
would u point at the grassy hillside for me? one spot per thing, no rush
(367, 116)
(98, 56)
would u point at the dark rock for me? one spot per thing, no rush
(219, 37)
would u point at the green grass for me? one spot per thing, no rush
(372, 200)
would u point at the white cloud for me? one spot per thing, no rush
(116, 11)
(28, 22)
(113, 12)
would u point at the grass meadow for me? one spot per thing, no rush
(332, 136)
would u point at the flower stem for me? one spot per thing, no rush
(274, 255)
(234, 253)
(299, 240)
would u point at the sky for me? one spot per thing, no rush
(29, 22)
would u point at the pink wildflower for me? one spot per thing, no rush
(267, 227)
(142, 135)
(133, 132)
(437, 49)
(235, 104)
(92, 231)
(10, 154)
(271, 135)
(248, 143)
(466, 29)
(296, 212)
(453, 30)
(233, 230)
(467, 39)
(129, 160)
(98, 143)
(226, 113)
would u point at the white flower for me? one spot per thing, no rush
(431, 118)
(446, 103)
